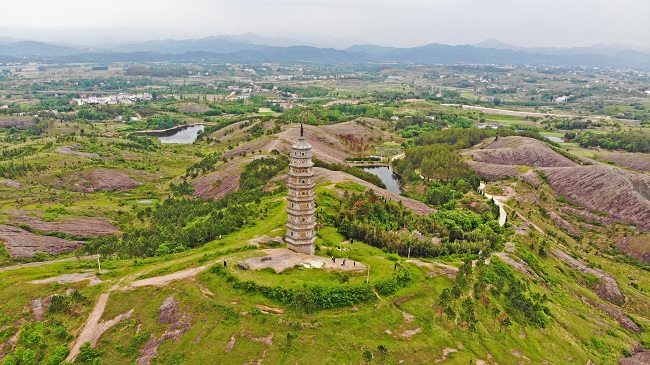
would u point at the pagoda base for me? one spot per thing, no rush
(307, 248)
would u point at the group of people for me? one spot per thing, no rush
(354, 263)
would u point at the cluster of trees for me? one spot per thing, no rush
(362, 110)
(414, 126)
(570, 124)
(389, 225)
(315, 115)
(237, 107)
(615, 141)
(258, 172)
(183, 188)
(207, 164)
(10, 154)
(521, 303)
(138, 143)
(164, 121)
(13, 170)
(485, 284)
(32, 346)
(305, 92)
(435, 161)
(177, 224)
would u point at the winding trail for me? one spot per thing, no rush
(94, 328)
(42, 263)
(498, 201)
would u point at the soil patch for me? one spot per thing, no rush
(624, 195)
(20, 122)
(445, 353)
(521, 151)
(179, 324)
(495, 172)
(606, 289)
(327, 146)
(22, 244)
(221, 182)
(563, 224)
(265, 239)
(410, 333)
(193, 108)
(639, 358)
(231, 344)
(260, 145)
(78, 226)
(438, 268)
(72, 150)
(519, 265)
(280, 259)
(616, 314)
(634, 161)
(97, 179)
(39, 306)
(635, 246)
(269, 310)
(71, 278)
(12, 184)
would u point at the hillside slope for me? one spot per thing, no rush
(622, 194)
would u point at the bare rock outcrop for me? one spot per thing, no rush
(520, 151)
(24, 245)
(616, 314)
(606, 289)
(624, 195)
(179, 323)
(97, 179)
(563, 224)
(79, 226)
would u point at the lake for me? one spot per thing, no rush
(180, 135)
(385, 173)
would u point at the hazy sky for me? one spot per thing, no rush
(401, 23)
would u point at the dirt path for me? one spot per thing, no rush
(166, 279)
(42, 263)
(93, 328)
(498, 200)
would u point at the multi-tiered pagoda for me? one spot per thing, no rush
(301, 222)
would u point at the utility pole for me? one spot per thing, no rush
(409, 254)
(368, 278)
(99, 265)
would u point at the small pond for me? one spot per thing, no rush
(554, 139)
(385, 173)
(184, 135)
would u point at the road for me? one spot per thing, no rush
(497, 201)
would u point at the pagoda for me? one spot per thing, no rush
(301, 222)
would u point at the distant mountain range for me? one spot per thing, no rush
(251, 48)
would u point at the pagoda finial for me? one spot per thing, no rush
(301, 131)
